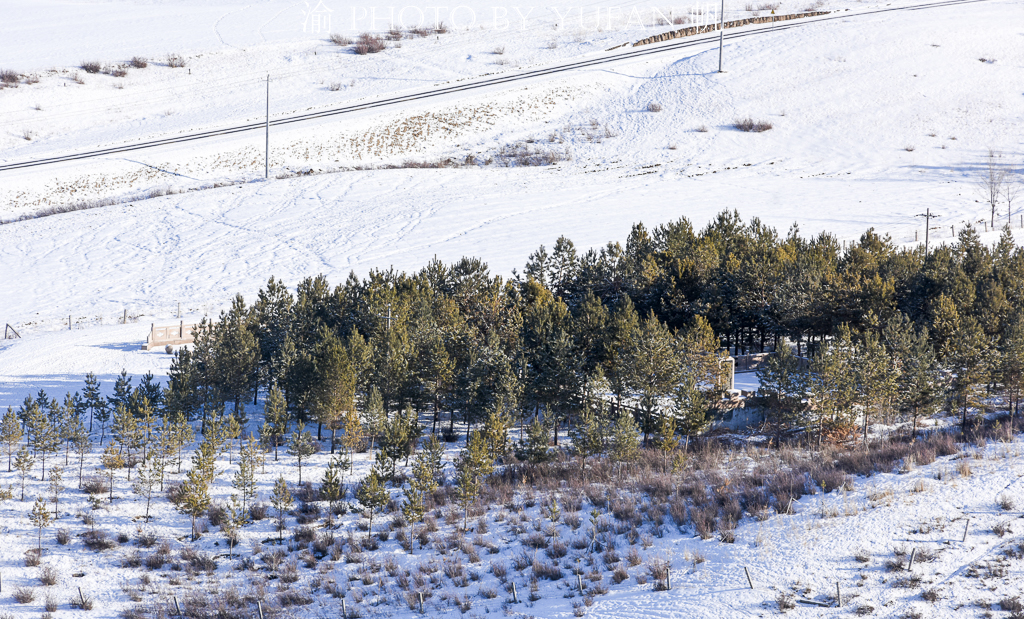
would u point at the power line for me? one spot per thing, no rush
(480, 83)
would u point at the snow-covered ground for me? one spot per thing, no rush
(845, 538)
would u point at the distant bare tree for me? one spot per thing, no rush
(1013, 184)
(993, 177)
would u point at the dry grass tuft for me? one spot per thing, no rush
(750, 125)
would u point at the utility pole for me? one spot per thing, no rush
(927, 224)
(266, 151)
(721, 36)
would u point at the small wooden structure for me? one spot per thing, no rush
(174, 335)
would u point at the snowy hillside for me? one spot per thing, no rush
(874, 119)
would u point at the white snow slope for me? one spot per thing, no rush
(875, 119)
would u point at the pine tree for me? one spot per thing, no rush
(93, 398)
(1011, 367)
(282, 501)
(232, 429)
(10, 434)
(964, 352)
(122, 392)
(244, 480)
(473, 464)
(71, 428)
(235, 354)
(56, 487)
(234, 518)
(783, 385)
(111, 461)
(496, 427)
(301, 446)
(180, 434)
(40, 519)
(535, 448)
(352, 428)
(195, 495)
(654, 367)
(374, 419)
(82, 447)
(330, 484)
(372, 494)
(42, 436)
(275, 415)
(151, 390)
(426, 474)
(23, 463)
(625, 444)
(588, 433)
(128, 434)
(150, 475)
(691, 408)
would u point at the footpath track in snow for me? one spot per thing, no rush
(631, 54)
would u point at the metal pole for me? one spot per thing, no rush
(721, 35)
(266, 151)
(927, 224)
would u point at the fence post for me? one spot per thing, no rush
(747, 572)
(966, 525)
(839, 598)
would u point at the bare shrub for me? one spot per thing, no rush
(96, 539)
(24, 595)
(702, 129)
(50, 604)
(32, 558)
(76, 78)
(658, 569)
(1012, 605)
(119, 72)
(394, 35)
(499, 51)
(91, 66)
(258, 511)
(786, 601)
(704, 521)
(137, 62)
(81, 602)
(48, 575)
(334, 86)
(9, 77)
(175, 61)
(63, 537)
(442, 28)
(339, 39)
(930, 595)
(909, 148)
(552, 44)
(750, 125)
(1006, 502)
(653, 107)
(369, 44)
(1001, 528)
(95, 486)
